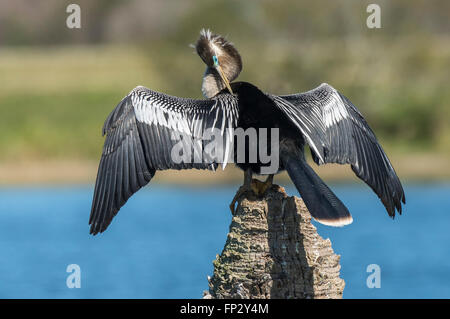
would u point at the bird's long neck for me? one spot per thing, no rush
(212, 83)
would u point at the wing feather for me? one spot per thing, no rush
(140, 135)
(337, 133)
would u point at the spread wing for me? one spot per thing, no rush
(149, 131)
(337, 133)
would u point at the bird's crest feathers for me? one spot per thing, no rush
(216, 50)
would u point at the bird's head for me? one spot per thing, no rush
(222, 60)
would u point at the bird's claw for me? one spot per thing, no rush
(260, 188)
(241, 191)
(257, 187)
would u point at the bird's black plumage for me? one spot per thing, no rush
(140, 135)
(338, 133)
(142, 131)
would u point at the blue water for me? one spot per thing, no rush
(162, 243)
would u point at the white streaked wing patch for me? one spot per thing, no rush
(286, 107)
(334, 111)
(153, 110)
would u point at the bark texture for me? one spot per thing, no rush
(273, 251)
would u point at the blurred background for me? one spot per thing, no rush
(57, 86)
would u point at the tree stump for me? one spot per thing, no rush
(273, 251)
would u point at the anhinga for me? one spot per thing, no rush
(139, 139)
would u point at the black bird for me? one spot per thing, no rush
(140, 139)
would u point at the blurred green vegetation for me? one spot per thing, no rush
(59, 85)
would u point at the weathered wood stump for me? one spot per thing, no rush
(273, 251)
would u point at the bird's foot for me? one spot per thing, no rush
(241, 191)
(260, 188)
(257, 187)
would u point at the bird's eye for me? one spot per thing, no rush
(216, 60)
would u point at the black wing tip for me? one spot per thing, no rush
(97, 228)
(93, 232)
(394, 205)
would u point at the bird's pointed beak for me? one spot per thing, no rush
(224, 78)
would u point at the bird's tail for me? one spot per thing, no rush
(321, 202)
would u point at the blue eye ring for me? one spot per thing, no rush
(216, 60)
